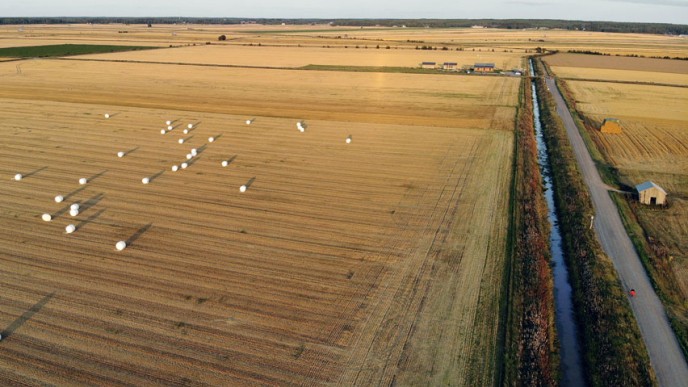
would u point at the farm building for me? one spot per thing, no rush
(611, 125)
(484, 67)
(449, 65)
(651, 193)
(428, 65)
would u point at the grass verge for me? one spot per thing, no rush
(613, 349)
(64, 50)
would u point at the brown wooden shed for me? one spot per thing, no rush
(611, 125)
(651, 193)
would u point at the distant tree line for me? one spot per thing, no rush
(601, 26)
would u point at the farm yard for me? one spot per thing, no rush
(371, 262)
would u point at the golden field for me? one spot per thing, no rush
(432, 100)
(612, 68)
(269, 56)
(375, 262)
(469, 39)
(653, 146)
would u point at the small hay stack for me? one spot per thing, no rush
(611, 125)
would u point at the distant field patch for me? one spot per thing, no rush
(621, 75)
(64, 50)
(619, 63)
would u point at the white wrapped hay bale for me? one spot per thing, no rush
(189, 156)
(243, 188)
(83, 181)
(70, 228)
(184, 165)
(190, 126)
(145, 180)
(106, 115)
(59, 199)
(175, 168)
(163, 131)
(224, 163)
(185, 131)
(170, 127)
(181, 141)
(120, 154)
(121, 245)
(47, 217)
(75, 206)
(168, 122)
(301, 126)
(194, 152)
(211, 139)
(73, 212)
(18, 177)
(250, 121)
(348, 140)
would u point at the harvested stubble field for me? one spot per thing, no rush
(374, 262)
(612, 68)
(240, 55)
(433, 100)
(653, 146)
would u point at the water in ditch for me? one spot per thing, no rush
(571, 364)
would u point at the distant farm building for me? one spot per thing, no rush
(651, 193)
(428, 65)
(484, 67)
(449, 65)
(611, 125)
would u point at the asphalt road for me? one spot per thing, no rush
(665, 354)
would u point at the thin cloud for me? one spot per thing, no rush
(674, 3)
(527, 2)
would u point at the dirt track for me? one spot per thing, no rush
(665, 353)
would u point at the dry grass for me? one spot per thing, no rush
(367, 263)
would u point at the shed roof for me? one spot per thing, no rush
(647, 185)
(484, 65)
(450, 63)
(428, 63)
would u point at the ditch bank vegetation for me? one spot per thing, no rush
(613, 350)
(532, 356)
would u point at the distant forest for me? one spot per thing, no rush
(648, 28)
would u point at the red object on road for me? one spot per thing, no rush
(632, 292)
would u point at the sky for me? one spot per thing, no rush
(655, 11)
